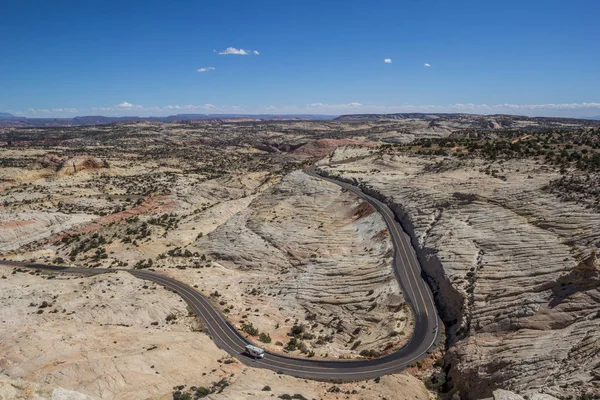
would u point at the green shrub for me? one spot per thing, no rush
(297, 329)
(265, 337)
(292, 344)
(250, 329)
(171, 317)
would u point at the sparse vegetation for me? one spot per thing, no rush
(265, 337)
(158, 187)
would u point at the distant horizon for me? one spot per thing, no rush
(126, 109)
(276, 115)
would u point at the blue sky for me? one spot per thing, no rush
(66, 58)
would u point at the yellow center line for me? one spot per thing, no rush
(394, 224)
(186, 291)
(411, 269)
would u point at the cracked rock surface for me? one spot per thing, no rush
(305, 252)
(514, 268)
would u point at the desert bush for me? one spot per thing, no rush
(171, 317)
(292, 344)
(265, 337)
(297, 329)
(250, 329)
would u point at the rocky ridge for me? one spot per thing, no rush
(513, 268)
(312, 255)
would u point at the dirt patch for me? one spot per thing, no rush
(154, 205)
(14, 224)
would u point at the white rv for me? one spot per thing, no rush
(255, 352)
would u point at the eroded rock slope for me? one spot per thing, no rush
(514, 267)
(307, 253)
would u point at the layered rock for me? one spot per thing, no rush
(19, 229)
(305, 251)
(81, 163)
(114, 337)
(505, 260)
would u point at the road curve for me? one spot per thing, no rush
(408, 272)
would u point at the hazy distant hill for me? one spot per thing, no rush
(376, 117)
(496, 121)
(9, 120)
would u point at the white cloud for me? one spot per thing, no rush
(334, 106)
(564, 106)
(239, 52)
(206, 69)
(387, 60)
(427, 65)
(128, 106)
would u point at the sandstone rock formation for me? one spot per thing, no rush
(50, 161)
(320, 148)
(210, 203)
(19, 229)
(68, 166)
(19, 389)
(117, 337)
(513, 268)
(78, 164)
(304, 251)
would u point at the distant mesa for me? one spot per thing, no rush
(493, 121)
(10, 121)
(496, 121)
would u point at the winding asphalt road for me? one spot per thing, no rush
(408, 272)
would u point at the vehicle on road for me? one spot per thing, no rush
(255, 352)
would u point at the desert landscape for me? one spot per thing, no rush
(503, 212)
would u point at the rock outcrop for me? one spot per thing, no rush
(81, 163)
(19, 229)
(306, 251)
(68, 166)
(321, 147)
(114, 337)
(504, 258)
(19, 389)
